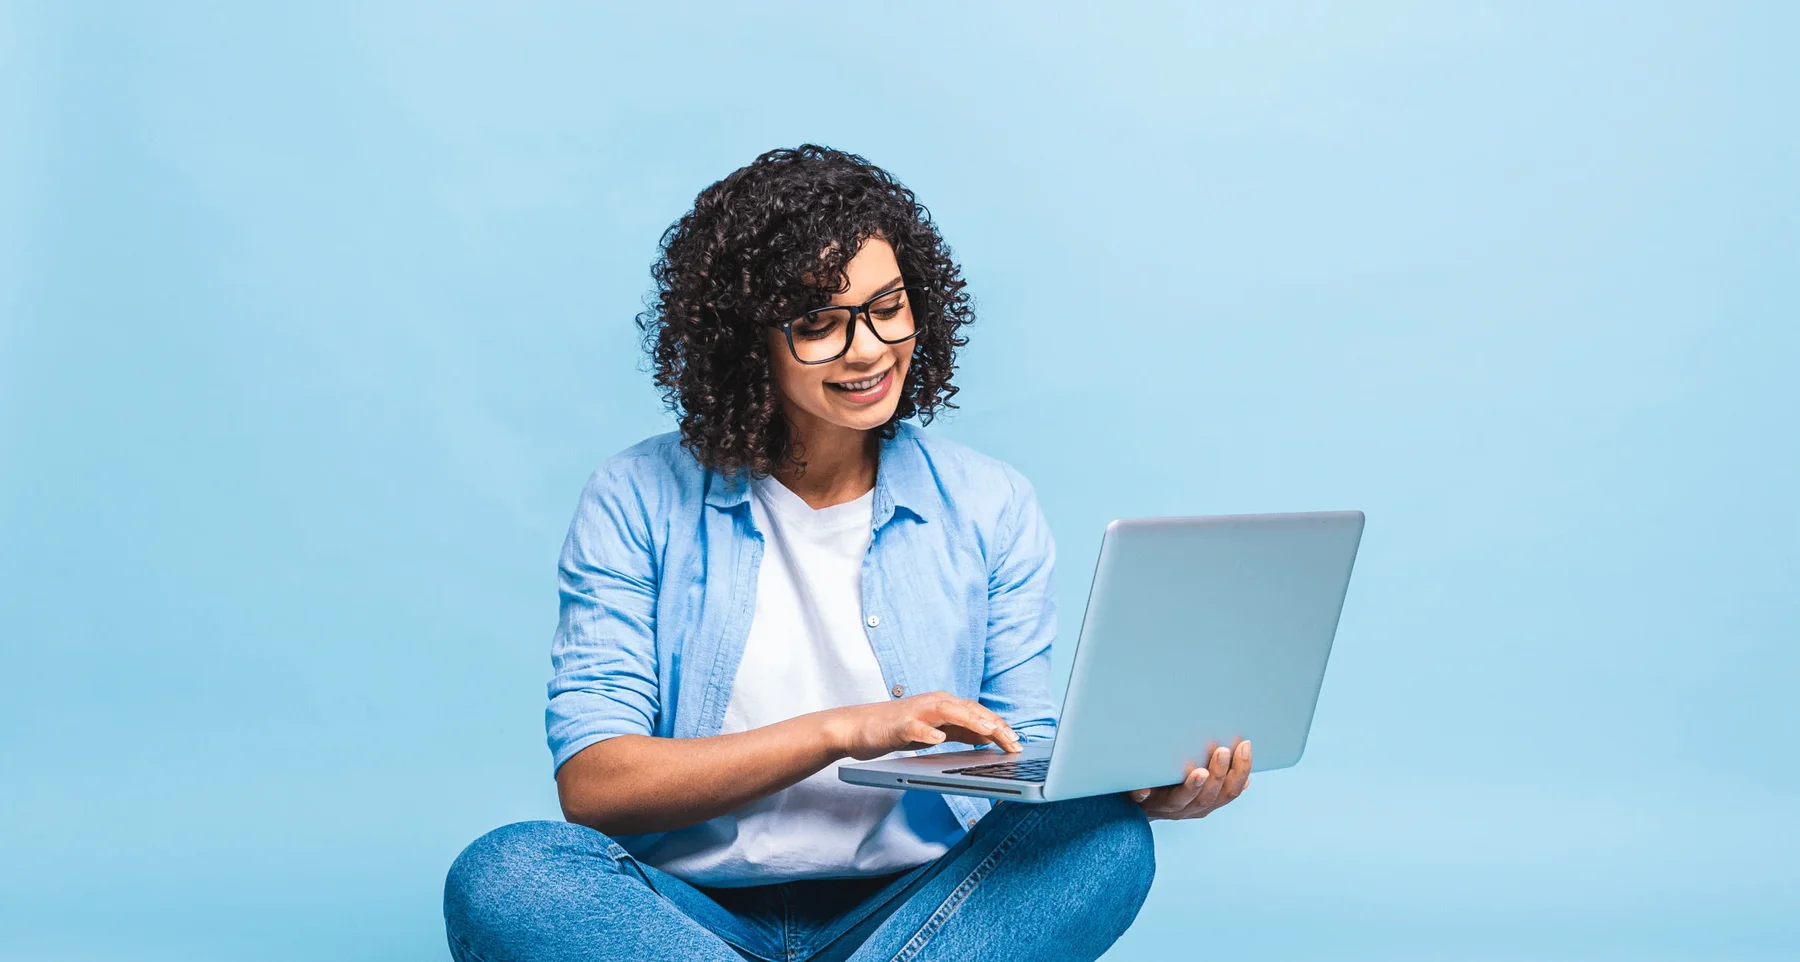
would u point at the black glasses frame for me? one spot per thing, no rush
(914, 297)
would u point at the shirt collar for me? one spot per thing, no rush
(727, 490)
(903, 481)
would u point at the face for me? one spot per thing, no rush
(856, 392)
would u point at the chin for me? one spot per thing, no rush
(867, 421)
(863, 419)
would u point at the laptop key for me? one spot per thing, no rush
(1032, 770)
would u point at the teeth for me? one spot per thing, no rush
(862, 385)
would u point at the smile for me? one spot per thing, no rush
(868, 390)
(862, 385)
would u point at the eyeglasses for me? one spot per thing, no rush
(824, 335)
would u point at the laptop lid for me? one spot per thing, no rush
(1198, 630)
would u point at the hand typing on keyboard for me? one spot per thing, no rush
(906, 724)
(1207, 788)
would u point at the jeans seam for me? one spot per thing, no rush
(788, 948)
(961, 893)
(467, 950)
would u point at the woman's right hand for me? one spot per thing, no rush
(864, 732)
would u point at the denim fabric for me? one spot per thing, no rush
(1057, 882)
(658, 579)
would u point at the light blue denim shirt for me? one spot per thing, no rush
(659, 573)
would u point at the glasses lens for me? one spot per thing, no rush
(819, 336)
(823, 335)
(892, 314)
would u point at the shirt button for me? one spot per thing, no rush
(899, 690)
(874, 621)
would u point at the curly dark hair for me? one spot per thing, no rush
(763, 245)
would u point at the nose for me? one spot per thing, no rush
(864, 345)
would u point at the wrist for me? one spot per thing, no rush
(831, 733)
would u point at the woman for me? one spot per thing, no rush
(797, 577)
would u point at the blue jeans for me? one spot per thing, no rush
(1048, 883)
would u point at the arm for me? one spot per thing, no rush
(635, 784)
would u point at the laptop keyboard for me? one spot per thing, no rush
(1030, 770)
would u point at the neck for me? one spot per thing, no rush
(840, 466)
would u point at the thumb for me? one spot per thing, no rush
(1139, 795)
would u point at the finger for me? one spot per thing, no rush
(955, 713)
(1003, 733)
(1156, 802)
(1239, 776)
(918, 732)
(976, 718)
(1171, 800)
(1180, 795)
(1221, 762)
(1232, 785)
(958, 733)
(1218, 767)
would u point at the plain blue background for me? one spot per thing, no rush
(317, 316)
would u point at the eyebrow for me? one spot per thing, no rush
(890, 287)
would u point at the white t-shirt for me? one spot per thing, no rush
(807, 652)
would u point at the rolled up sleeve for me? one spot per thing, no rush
(604, 654)
(1021, 617)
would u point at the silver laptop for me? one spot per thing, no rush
(1198, 630)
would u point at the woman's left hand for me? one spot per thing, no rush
(1206, 789)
